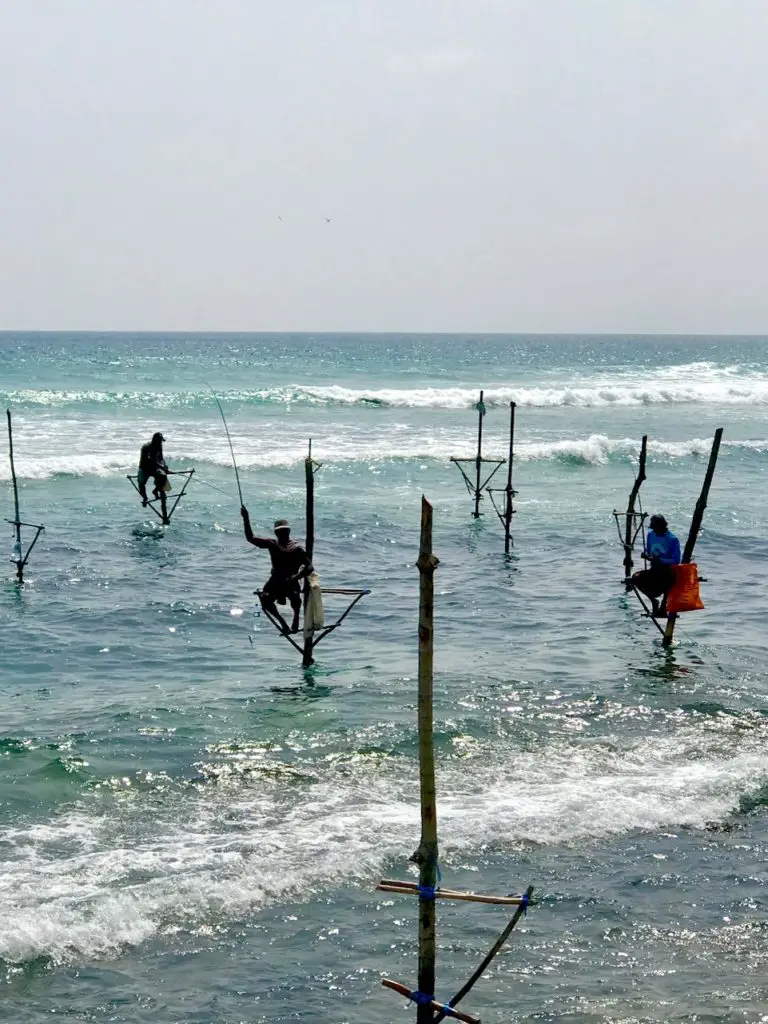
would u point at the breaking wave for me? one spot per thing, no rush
(595, 450)
(687, 385)
(104, 876)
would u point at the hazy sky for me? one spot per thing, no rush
(488, 165)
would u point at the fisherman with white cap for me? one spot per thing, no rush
(290, 565)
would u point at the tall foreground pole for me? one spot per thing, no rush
(426, 855)
(698, 516)
(431, 1009)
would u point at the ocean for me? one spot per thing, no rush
(192, 827)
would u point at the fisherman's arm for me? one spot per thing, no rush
(306, 570)
(258, 542)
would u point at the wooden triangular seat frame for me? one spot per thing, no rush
(165, 515)
(16, 522)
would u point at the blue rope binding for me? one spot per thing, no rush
(421, 998)
(424, 1000)
(428, 892)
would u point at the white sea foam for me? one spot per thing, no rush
(109, 459)
(97, 879)
(692, 383)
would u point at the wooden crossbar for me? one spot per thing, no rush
(344, 590)
(473, 461)
(412, 889)
(447, 1011)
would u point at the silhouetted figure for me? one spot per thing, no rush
(290, 565)
(152, 466)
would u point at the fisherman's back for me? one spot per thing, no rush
(664, 546)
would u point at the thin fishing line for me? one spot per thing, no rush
(232, 450)
(227, 494)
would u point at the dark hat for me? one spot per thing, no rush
(658, 518)
(158, 436)
(282, 524)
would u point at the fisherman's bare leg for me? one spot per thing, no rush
(268, 604)
(296, 605)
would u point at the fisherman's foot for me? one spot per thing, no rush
(144, 502)
(659, 613)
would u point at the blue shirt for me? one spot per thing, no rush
(664, 546)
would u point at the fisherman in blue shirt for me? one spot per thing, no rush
(662, 550)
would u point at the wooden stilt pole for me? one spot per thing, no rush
(427, 853)
(18, 556)
(508, 509)
(429, 1008)
(309, 472)
(479, 457)
(629, 526)
(698, 516)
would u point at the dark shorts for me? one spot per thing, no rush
(281, 590)
(656, 581)
(143, 478)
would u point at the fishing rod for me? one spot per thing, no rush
(232, 450)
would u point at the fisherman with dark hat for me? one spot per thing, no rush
(290, 565)
(152, 466)
(662, 551)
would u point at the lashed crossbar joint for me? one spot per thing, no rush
(637, 520)
(408, 888)
(21, 562)
(424, 999)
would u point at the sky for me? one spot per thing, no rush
(384, 165)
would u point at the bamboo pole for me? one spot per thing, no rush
(309, 473)
(427, 853)
(508, 510)
(698, 516)
(479, 457)
(629, 527)
(17, 519)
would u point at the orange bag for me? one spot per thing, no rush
(684, 595)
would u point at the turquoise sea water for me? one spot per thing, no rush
(191, 828)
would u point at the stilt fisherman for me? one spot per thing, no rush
(152, 466)
(290, 565)
(662, 551)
